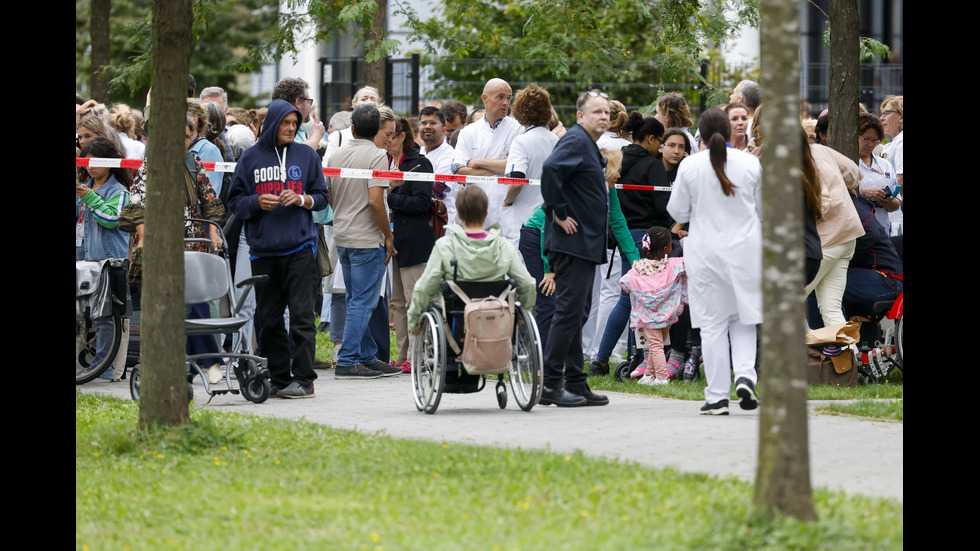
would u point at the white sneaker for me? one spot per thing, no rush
(650, 380)
(215, 373)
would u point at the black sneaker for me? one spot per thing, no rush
(598, 369)
(746, 394)
(356, 372)
(718, 408)
(387, 370)
(296, 390)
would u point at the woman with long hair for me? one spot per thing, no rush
(409, 201)
(673, 112)
(718, 192)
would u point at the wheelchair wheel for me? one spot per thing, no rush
(428, 362)
(134, 383)
(89, 364)
(899, 329)
(527, 366)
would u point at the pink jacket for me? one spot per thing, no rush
(658, 292)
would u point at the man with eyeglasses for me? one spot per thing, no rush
(482, 147)
(296, 92)
(573, 185)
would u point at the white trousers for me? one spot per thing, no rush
(605, 295)
(719, 359)
(830, 281)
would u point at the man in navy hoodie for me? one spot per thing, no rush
(277, 184)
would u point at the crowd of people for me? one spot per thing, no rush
(679, 261)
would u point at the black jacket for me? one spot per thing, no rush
(573, 183)
(642, 208)
(409, 205)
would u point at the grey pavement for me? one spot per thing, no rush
(856, 456)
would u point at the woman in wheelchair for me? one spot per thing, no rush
(481, 255)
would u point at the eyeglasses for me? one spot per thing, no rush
(598, 94)
(886, 112)
(309, 101)
(870, 140)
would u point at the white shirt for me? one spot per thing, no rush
(527, 155)
(723, 251)
(880, 175)
(335, 140)
(610, 140)
(442, 163)
(480, 140)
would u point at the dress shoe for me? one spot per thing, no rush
(561, 398)
(591, 398)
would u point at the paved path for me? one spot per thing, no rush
(852, 455)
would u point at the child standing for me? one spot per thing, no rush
(658, 292)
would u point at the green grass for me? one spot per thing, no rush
(892, 387)
(231, 481)
(891, 409)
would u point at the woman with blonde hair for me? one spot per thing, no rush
(893, 123)
(122, 121)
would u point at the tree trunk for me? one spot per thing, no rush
(374, 71)
(783, 476)
(163, 393)
(99, 27)
(845, 76)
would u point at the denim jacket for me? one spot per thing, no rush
(100, 241)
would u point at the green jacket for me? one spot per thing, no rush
(478, 260)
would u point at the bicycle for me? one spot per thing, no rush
(101, 303)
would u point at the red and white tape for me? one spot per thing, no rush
(362, 174)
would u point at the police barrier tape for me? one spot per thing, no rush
(362, 174)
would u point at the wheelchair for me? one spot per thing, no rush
(437, 370)
(881, 346)
(207, 277)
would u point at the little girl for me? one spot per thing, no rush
(658, 292)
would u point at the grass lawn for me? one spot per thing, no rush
(233, 481)
(890, 409)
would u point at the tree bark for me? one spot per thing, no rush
(374, 71)
(783, 476)
(845, 76)
(163, 393)
(99, 28)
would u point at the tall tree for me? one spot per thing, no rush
(635, 43)
(163, 394)
(101, 52)
(845, 76)
(783, 477)
(225, 38)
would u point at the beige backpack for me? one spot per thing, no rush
(488, 325)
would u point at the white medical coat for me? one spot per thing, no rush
(723, 250)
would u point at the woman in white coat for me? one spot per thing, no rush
(719, 192)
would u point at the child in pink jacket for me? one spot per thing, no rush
(658, 292)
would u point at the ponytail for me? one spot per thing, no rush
(715, 130)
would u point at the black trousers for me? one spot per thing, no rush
(573, 299)
(292, 282)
